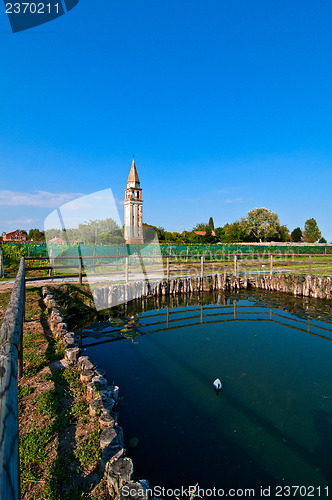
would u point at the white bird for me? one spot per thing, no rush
(217, 384)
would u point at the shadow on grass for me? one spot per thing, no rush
(61, 409)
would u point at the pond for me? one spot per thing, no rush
(271, 424)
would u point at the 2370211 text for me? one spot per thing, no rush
(32, 8)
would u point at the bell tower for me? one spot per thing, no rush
(133, 209)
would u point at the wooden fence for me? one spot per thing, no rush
(235, 264)
(2, 271)
(11, 364)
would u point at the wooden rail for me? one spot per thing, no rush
(235, 263)
(169, 320)
(1, 264)
(11, 364)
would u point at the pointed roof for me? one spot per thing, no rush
(133, 175)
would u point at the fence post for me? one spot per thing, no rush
(271, 264)
(235, 265)
(80, 270)
(94, 260)
(1, 264)
(20, 349)
(167, 259)
(127, 268)
(11, 345)
(309, 265)
(202, 266)
(51, 261)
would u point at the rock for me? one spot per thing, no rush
(80, 361)
(85, 364)
(119, 473)
(57, 317)
(99, 381)
(107, 436)
(108, 403)
(69, 339)
(116, 447)
(133, 491)
(107, 419)
(107, 392)
(91, 392)
(72, 355)
(87, 376)
(61, 327)
(96, 407)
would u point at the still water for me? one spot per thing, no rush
(270, 425)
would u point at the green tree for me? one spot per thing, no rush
(211, 223)
(296, 234)
(322, 240)
(284, 234)
(160, 231)
(311, 231)
(233, 233)
(36, 235)
(201, 226)
(109, 239)
(261, 224)
(219, 233)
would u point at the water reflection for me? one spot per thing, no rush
(271, 423)
(304, 314)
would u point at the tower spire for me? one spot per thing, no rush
(133, 175)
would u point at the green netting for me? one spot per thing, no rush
(16, 250)
(244, 249)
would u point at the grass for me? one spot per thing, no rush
(33, 453)
(88, 450)
(72, 377)
(48, 403)
(53, 418)
(24, 390)
(80, 411)
(34, 362)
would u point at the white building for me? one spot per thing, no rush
(133, 209)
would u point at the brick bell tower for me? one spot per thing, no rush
(133, 209)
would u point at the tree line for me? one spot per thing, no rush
(259, 225)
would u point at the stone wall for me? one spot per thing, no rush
(103, 401)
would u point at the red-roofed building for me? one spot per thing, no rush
(203, 233)
(14, 236)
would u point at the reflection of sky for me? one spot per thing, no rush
(97, 206)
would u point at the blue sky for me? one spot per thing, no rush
(227, 106)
